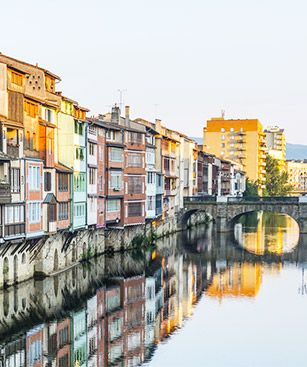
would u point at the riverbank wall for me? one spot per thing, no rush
(49, 255)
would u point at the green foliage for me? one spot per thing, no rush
(276, 180)
(138, 240)
(251, 188)
(142, 240)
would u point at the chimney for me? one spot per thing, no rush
(127, 115)
(127, 112)
(158, 125)
(115, 114)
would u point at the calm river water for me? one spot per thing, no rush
(198, 299)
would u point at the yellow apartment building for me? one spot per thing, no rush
(242, 141)
(276, 144)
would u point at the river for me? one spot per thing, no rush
(198, 299)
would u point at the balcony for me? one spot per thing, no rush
(13, 150)
(5, 192)
(16, 229)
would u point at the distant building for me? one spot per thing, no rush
(276, 144)
(242, 141)
(297, 175)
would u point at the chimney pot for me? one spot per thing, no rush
(127, 112)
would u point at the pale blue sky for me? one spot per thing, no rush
(191, 58)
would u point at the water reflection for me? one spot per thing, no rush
(267, 233)
(116, 311)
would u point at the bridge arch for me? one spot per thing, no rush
(184, 219)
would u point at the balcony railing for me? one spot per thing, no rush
(14, 229)
(13, 150)
(5, 193)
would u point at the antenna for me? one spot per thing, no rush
(223, 113)
(121, 97)
(156, 110)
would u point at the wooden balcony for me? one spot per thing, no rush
(17, 229)
(5, 193)
(13, 151)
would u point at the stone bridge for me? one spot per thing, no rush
(225, 210)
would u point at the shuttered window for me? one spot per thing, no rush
(15, 106)
(15, 180)
(135, 185)
(31, 108)
(135, 160)
(134, 209)
(63, 211)
(47, 181)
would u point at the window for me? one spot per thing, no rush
(14, 214)
(134, 209)
(150, 156)
(232, 129)
(134, 341)
(222, 130)
(135, 160)
(92, 176)
(31, 109)
(48, 115)
(34, 212)
(52, 212)
(63, 182)
(15, 180)
(35, 352)
(79, 127)
(115, 328)
(92, 130)
(116, 180)
(151, 178)
(64, 361)
(111, 135)
(91, 149)
(63, 211)
(34, 178)
(34, 141)
(150, 202)
(16, 78)
(116, 154)
(222, 145)
(79, 182)
(166, 164)
(79, 210)
(135, 185)
(160, 180)
(136, 138)
(80, 153)
(223, 137)
(47, 181)
(113, 205)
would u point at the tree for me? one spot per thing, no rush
(276, 180)
(251, 188)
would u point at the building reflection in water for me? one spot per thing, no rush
(116, 311)
(267, 233)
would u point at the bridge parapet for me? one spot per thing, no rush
(225, 211)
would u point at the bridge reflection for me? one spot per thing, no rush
(116, 311)
(265, 232)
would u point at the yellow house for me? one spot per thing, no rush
(242, 141)
(238, 280)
